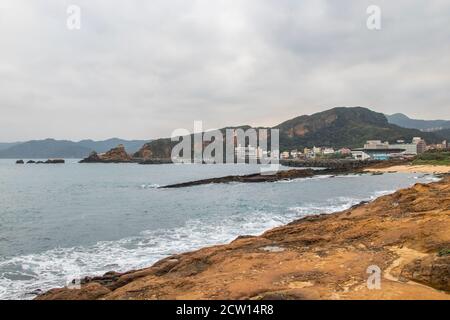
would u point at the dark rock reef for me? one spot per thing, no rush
(49, 161)
(266, 177)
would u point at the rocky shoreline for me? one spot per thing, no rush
(406, 235)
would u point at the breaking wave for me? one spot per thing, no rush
(22, 277)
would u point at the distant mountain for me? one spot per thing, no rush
(425, 125)
(6, 145)
(51, 148)
(343, 127)
(103, 146)
(338, 127)
(48, 148)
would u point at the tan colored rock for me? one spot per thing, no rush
(115, 155)
(406, 235)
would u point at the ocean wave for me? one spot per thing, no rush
(21, 277)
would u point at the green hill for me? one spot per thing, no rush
(343, 127)
(337, 127)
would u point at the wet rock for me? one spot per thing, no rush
(55, 161)
(20, 162)
(250, 178)
(90, 291)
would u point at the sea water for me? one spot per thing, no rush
(60, 222)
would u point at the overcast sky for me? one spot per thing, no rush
(140, 69)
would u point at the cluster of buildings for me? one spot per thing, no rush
(313, 153)
(444, 145)
(372, 150)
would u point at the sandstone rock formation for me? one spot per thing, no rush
(406, 235)
(115, 155)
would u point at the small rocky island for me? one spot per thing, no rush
(49, 161)
(115, 155)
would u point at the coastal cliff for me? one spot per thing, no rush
(406, 235)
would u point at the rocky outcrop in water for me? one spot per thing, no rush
(55, 161)
(49, 161)
(115, 155)
(250, 178)
(405, 236)
(266, 177)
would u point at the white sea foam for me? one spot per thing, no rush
(24, 274)
(55, 267)
(150, 186)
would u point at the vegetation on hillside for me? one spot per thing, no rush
(337, 128)
(433, 158)
(344, 127)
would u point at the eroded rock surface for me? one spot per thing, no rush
(115, 155)
(406, 235)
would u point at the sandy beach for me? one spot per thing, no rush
(413, 169)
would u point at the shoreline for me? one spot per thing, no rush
(317, 257)
(430, 169)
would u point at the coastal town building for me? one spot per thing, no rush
(378, 150)
(296, 154)
(439, 146)
(327, 151)
(421, 145)
(378, 154)
(376, 144)
(249, 152)
(285, 155)
(317, 150)
(360, 155)
(410, 148)
(344, 151)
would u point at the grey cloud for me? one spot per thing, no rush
(141, 69)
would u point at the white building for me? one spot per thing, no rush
(417, 146)
(247, 152)
(295, 153)
(285, 155)
(410, 148)
(360, 155)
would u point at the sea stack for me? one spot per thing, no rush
(115, 155)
